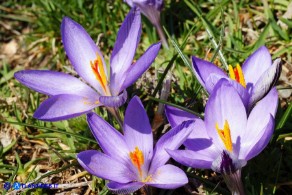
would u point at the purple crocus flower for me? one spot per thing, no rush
(150, 8)
(69, 96)
(253, 81)
(129, 161)
(227, 138)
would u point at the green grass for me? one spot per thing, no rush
(224, 32)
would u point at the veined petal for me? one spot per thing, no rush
(81, 51)
(203, 69)
(256, 64)
(125, 46)
(172, 140)
(110, 140)
(136, 70)
(103, 166)
(54, 83)
(225, 106)
(138, 132)
(168, 177)
(176, 116)
(259, 141)
(114, 101)
(191, 158)
(265, 83)
(124, 188)
(63, 107)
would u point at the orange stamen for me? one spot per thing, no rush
(98, 70)
(225, 135)
(137, 159)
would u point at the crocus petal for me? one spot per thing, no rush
(172, 140)
(258, 122)
(256, 64)
(257, 143)
(203, 69)
(213, 79)
(199, 140)
(260, 115)
(265, 83)
(114, 101)
(63, 107)
(168, 177)
(137, 130)
(136, 70)
(176, 116)
(125, 47)
(54, 83)
(81, 50)
(110, 140)
(224, 105)
(124, 188)
(103, 166)
(191, 159)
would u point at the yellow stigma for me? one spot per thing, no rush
(137, 159)
(98, 70)
(237, 74)
(225, 135)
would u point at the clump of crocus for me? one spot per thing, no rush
(129, 161)
(227, 138)
(151, 9)
(71, 97)
(253, 80)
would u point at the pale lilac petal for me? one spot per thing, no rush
(103, 166)
(213, 79)
(199, 140)
(225, 104)
(125, 47)
(258, 119)
(258, 141)
(272, 100)
(114, 101)
(168, 177)
(203, 69)
(260, 115)
(137, 130)
(172, 140)
(136, 70)
(176, 116)
(54, 83)
(265, 83)
(192, 159)
(124, 188)
(256, 64)
(109, 139)
(63, 107)
(81, 50)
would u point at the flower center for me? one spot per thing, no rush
(137, 159)
(98, 70)
(225, 135)
(237, 74)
